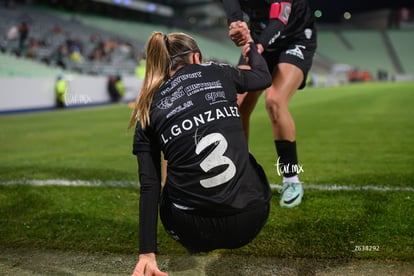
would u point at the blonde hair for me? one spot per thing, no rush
(164, 53)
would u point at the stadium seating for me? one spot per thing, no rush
(141, 31)
(12, 66)
(50, 33)
(403, 42)
(369, 50)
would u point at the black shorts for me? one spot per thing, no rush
(299, 53)
(207, 232)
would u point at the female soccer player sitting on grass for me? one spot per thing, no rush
(215, 195)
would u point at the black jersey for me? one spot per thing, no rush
(195, 122)
(272, 33)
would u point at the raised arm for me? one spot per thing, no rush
(233, 11)
(278, 19)
(257, 77)
(238, 30)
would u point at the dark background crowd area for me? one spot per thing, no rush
(67, 44)
(35, 29)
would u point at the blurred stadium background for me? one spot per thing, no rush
(358, 142)
(89, 41)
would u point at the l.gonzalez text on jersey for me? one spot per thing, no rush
(198, 120)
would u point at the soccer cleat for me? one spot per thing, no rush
(291, 194)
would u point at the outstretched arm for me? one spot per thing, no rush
(233, 10)
(256, 75)
(149, 158)
(278, 19)
(239, 33)
(238, 29)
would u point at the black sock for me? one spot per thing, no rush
(288, 157)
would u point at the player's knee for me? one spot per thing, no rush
(273, 104)
(274, 107)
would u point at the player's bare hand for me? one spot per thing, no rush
(147, 266)
(245, 51)
(260, 48)
(247, 48)
(239, 33)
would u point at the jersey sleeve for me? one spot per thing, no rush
(257, 77)
(233, 10)
(271, 33)
(149, 172)
(278, 19)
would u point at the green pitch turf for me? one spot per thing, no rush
(355, 135)
(90, 143)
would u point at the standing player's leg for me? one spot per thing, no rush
(287, 78)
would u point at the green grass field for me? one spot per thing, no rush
(356, 135)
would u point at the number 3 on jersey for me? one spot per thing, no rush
(214, 159)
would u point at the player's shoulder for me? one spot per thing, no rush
(213, 63)
(216, 65)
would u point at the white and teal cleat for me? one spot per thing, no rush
(291, 194)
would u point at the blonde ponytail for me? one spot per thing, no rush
(164, 53)
(156, 71)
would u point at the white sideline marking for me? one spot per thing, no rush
(334, 187)
(114, 183)
(64, 182)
